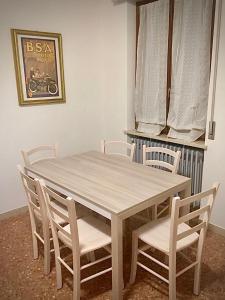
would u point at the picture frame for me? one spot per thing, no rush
(38, 60)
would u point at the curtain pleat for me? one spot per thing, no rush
(190, 68)
(151, 73)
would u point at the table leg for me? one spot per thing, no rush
(184, 194)
(117, 257)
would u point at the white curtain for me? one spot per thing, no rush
(190, 69)
(151, 73)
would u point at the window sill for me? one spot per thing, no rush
(163, 137)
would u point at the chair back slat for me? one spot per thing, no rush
(69, 217)
(173, 167)
(43, 152)
(108, 147)
(43, 148)
(159, 163)
(59, 213)
(34, 194)
(203, 213)
(192, 199)
(35, 207)
(56, 196)
(190, 231)
(194, 214)
(61, 229)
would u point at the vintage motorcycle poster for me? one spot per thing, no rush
(39, 67)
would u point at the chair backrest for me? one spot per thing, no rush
(41, 152)
(68, 215)
(200, 216)
(118, 148)
(165, 158)
(36, 203)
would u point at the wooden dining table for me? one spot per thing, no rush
(114, 187)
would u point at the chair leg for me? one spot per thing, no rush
(154, 212)
(47, 258)
(134, 258)
(170, 205)
(76, 287)
(33, 230)
(58, 273)
(76, 278)
(91, 256)
(172, 276)
(35, 245)
(166, 259)
(196, 289)
(57, 264)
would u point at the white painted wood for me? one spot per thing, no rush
(134, 257)
(172, 235)
(185, 209)
(152, 272)
(50, 150)
(117, 258)
(81, 236)
(116, 186)
(172, 167)
(96, 275)
(153, 259)
(107, 147)
(110, 182)
(157, 234)
(79, 199)
(165, 138)
(214, 66)
(37, 210)
(38, 213)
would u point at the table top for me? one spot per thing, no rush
(109, 181)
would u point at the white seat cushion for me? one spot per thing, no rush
(157, 234)
(93, 234)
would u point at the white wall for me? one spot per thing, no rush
(131, 58)
(114, 77)
(95, 65)
(119, 67)
(214, 169)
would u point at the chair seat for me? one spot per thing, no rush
(157, 234)
(93, 234)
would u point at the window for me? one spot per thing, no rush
(174, 42)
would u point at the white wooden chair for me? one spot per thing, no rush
(171, 165)
(38, 216)
(41, 152)
(125, 149)
(81, 236)
(171, 236)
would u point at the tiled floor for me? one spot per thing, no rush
(21, 277)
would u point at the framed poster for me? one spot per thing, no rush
(39, 67)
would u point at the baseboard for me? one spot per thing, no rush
(13, 212)
(217, 229)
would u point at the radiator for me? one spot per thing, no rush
(191, 162)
